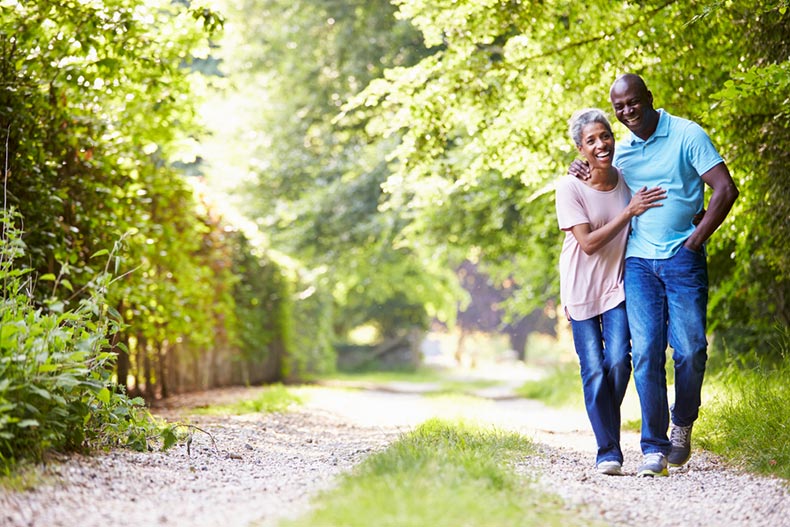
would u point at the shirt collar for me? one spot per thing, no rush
(662, 129)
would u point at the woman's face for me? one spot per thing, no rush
(597, 145)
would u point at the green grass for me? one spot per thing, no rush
(632, 425)
(443, 382)
(24, 476)
(275, 398)
(383, 376)
(748, 421)
(460, 387)
(440, 475)
(561, 387)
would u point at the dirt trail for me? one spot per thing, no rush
(261, 468)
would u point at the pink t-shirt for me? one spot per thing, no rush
(590, 283)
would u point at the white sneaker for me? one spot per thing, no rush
(610, 468)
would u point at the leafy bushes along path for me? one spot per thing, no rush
(98, 117)
(56, 387)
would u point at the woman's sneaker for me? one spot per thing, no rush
(653, 465)
(610, 468)
(680, 437)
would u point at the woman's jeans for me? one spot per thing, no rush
(602, 344)
(667, 302)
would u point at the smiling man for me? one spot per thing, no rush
(666, 281)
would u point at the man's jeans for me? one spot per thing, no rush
(667, 300)
(604, 350)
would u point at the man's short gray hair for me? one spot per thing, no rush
(582, 118)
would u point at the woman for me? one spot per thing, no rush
(595, 214)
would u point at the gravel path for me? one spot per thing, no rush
(256, 470)
(262, 468)
(703, 493)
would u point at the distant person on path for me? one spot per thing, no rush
(595, 214)
(666, 278)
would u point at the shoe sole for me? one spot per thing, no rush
(676, 465)
(611, 472)
(653, 474)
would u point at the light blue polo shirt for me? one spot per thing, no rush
(674, 158)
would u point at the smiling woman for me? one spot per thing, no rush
(594, 214)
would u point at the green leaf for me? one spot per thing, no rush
(41, 392)
(169, 437)
(28, 423)
(137, 441)
(104, 395)
(100, 253)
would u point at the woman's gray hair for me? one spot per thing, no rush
(582, 118)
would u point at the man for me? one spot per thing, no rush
(666, 282)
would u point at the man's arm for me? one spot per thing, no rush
(724, 195)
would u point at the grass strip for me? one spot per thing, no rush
(748, 422)
(561, 387)
(423, 374)
(440, 475)
(275, 398)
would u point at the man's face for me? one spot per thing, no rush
(633, 106)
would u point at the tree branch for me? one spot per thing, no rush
(602, 36)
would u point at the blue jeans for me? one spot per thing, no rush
(667, 303)
(604, 350)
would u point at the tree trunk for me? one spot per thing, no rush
(163, 353)
(123, 365)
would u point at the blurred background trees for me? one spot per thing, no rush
(389, 144)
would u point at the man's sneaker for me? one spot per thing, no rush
(653, 465)
(680, 437)
(610, 468)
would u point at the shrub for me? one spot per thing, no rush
(56, 387)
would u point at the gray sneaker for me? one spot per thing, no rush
(653, 465)
(680, 437)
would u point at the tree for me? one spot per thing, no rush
(316, 190)
(480, 122)
(97, 109)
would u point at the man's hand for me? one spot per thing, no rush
(724, 195)
(695, 221)
(698, 217)
(580, 169)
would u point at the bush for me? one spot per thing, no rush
(56, 387)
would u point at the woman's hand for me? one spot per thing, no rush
(645, 199)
